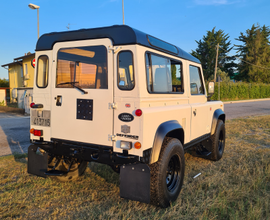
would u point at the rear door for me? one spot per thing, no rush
(82, 91)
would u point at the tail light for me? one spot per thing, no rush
(138, 112)
(36, 132)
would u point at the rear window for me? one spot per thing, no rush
(86, 67)
(42, 71)
(164, 75)
(125, 71)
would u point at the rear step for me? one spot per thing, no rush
(201, 151)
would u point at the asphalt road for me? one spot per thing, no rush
(244, 109)
(14, 128)
(14, 133)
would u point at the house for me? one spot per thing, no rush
(21, 78)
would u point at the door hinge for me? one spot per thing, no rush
(112, 105)
(112, 137)
(114, 49)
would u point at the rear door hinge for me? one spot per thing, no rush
(112, 137)
(114, 49)
(112, 105)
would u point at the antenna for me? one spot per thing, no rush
(68, 27)
(123, 11)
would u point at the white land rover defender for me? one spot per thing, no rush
(120, 97)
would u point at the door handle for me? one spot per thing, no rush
(58, 100)
(195, 112)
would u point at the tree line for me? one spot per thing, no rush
(253, 63)
(4, 83)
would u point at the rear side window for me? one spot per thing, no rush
(86, 67)
(164, 75)
(196, 85)
(42, 71)
(125, 71)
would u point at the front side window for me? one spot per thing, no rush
(125, 71)
(42, 71)
(196, 85)
(164, 75)
(86, 67)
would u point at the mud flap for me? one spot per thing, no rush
(135, 182)
(37, 164)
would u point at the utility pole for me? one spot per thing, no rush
(216, 63)
(123, 11)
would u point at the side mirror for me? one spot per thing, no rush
(211, 88)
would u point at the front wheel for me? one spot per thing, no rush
(167, 174)
(218, 141)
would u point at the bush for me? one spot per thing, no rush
(240, 91)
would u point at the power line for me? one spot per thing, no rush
(245, 61)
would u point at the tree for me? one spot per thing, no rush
(4, 83)
(206, 53)
(223, 76)
(255, 55)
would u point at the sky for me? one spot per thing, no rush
(179, 22)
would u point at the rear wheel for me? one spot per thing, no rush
(167, 174)
(77, 168)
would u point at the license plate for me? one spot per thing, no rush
(41, 118)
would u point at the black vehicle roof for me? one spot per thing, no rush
(119, 34)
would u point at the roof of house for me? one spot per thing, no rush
(119, 34)
(17, 60)
(8, 64)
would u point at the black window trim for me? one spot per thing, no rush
(43, 87)
(97, 68)
(150, 63)
(200, 73)
(132, 67)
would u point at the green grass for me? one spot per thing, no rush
(236, 187)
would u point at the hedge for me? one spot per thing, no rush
(240, 91)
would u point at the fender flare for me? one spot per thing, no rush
(218, 114)
(174, 128)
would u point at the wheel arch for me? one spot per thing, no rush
(166, 129)
(218, 114)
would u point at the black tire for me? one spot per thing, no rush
(218, 141)
(167, 174)
(77, 169)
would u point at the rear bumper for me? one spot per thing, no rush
(87, 152)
